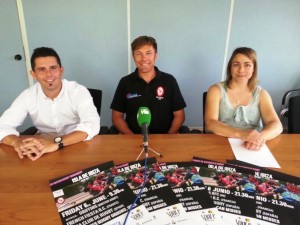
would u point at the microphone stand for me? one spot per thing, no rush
(145, 149)
(145, 142)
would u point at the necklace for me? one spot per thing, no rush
(241, 99)
(239, 96)
(236, 99)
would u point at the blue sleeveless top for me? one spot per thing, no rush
(243, 117)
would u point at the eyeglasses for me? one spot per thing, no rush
(43, 70)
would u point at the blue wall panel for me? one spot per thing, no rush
(191, 39)
(90, 36)
(93, 36)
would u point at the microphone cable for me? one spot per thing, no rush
(141, 190)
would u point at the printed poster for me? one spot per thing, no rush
(277, 195)
(156, 195)
(96, 196)
(189, 188)
(231, 191)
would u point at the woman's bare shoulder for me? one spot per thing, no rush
(215, 88)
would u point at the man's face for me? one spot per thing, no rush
(144, 58)
(48, 73)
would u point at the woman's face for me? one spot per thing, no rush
(242, 68)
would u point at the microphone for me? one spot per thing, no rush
(144, 119)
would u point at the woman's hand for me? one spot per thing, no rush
(253, 140)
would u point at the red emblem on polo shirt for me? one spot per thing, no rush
(160, 93)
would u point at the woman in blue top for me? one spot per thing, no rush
(238, 107)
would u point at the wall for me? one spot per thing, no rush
(195, 39)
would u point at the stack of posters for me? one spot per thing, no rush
(201, 192)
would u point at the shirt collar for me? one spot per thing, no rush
(40, 90)
(157, 76)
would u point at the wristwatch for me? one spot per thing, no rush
(59, 142)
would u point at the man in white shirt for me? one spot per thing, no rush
(63, 111)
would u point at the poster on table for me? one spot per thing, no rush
(151, 185)
(277, 195)
(96, 195)
(231, 190)
(189, 188)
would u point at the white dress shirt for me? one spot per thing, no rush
(72, 110)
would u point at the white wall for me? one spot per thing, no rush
(92, 38)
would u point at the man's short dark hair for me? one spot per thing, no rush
(143, 40)
(43, 52)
